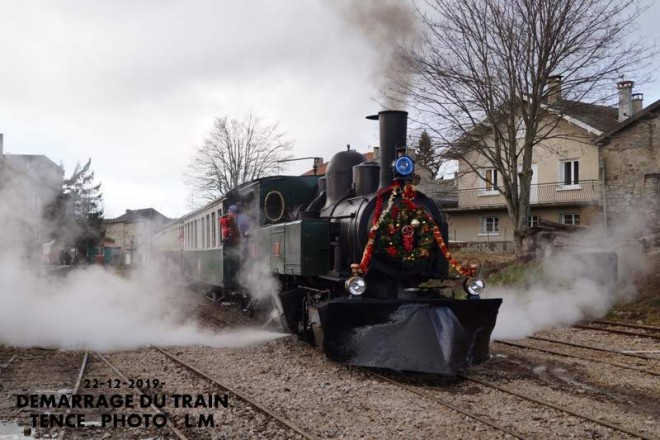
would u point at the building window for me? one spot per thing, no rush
(569, 219)
(533, 221)
(490, 225)
(521, 130)
(569, 172)
(491, 179)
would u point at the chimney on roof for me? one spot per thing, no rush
(376, 153)
(554, 89)
(637, 102)
(625, 99)
(1, 144)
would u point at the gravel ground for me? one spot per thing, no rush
(34, 370)
(336, 402)
(238, 420)
(330, 400)
(99, 371)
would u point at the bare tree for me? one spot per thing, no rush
(236, 152)
(483, 75)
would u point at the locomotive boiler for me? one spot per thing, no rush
(360, 255)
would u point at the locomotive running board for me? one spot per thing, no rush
(427, 336)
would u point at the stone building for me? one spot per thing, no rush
(630, 154)
(133, 232)
(28, 183)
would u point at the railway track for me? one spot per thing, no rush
(178, 433)
(76, 389)
(640, 331)
(446, 404)
(591, 347)
(426, 391)
(562, 408)
(590, 359)
(81, 374)
(7, 364)
(286, 423)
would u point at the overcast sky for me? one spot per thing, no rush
(135, 85)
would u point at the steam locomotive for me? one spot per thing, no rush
(353, 251)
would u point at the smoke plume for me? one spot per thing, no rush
(388, 26)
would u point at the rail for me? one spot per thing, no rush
(557, 193)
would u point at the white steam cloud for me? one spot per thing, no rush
(572, 284)
(92, 307)
(257, 278)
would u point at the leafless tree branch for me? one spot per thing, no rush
(480, 77)
(233, 153)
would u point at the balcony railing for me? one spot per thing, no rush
(585, 192)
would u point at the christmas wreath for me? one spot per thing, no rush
(404, 232)
(406, 235)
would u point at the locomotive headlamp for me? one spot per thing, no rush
(474, 286)
(356, 285)
(404, 166)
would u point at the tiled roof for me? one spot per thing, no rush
(133, 215)
(600, 117)
(32, 164)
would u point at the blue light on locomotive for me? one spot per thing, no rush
(404, 166)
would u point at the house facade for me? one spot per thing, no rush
(33, 179)
(568, 176)
(133, 232)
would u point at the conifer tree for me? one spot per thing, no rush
(76, 215)
(425, 154)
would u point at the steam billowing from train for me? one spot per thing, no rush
(91, 307)
(569, 286)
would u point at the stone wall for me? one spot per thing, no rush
(632, 174)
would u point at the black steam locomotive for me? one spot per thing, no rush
(353, 251)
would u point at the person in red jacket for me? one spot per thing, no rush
(229, 227)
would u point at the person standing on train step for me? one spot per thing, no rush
(229, 227)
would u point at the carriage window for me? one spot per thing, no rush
(208, 231)
(213, 230)
(195, 234)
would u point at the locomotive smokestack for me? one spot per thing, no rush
(393, 134)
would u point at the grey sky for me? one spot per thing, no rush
(135, 85)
